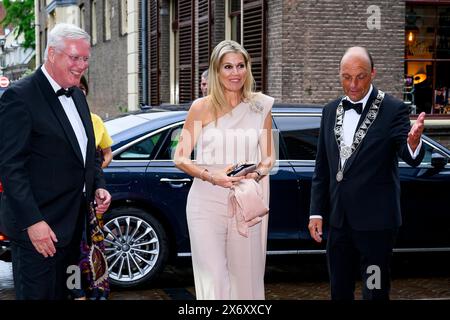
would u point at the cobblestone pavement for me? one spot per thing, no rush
(424, 276)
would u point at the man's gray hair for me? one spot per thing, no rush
(64, 31)
(205, 74)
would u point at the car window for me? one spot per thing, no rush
(142, 150)
(167, 150)
(300, 134)
(428, 152)
(429, 149)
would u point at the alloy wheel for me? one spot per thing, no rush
(132, 248)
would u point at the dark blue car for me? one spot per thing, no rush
(146, 225)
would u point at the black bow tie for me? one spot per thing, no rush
(348, 105)
(62, 91)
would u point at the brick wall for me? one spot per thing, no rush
(107, 71)
(307, 39)
(275, 41)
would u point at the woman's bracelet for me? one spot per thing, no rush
(211, 176)
(201, 174)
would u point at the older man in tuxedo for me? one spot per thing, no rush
(48, 166)
(356, 185)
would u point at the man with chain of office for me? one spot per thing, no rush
(356, 186)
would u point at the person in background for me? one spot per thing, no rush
(48, 167)
(103, 141)
(92, 242)
(226, 264)
(355, 186)
(204, 83)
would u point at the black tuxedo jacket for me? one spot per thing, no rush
(369, 195)
(41, 165)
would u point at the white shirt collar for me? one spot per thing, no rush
(52, 81)
(363, 100)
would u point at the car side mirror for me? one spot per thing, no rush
(438, 160)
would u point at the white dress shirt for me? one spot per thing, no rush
(351, 119)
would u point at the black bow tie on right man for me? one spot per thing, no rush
(67, 93)
(349, 105)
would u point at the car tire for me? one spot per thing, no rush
(136, 246)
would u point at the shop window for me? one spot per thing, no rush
(427, 58)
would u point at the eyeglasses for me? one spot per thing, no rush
(76, 59)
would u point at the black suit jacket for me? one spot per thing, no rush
(369, 194)
(41, 166)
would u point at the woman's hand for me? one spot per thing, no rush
(220, 178)
(252, 175)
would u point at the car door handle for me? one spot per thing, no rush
(176, 183)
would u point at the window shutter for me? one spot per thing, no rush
(154, 42)
(186, 51)
(204, 36)
(254, 39)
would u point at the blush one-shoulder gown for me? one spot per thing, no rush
(226, 264)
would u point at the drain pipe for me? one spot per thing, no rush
(37, 39)
(144, 55)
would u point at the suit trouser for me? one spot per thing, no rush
(369, 251)
(40, 278)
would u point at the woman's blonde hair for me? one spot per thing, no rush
(216, 97)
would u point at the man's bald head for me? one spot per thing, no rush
(356, 72)
(357, 52)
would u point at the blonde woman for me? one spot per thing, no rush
(232, 124)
